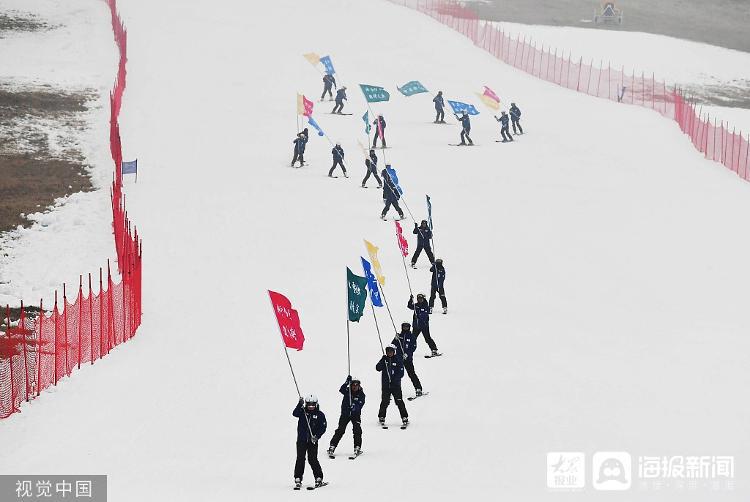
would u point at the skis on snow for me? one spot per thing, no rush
(428, 356)
(313, 487)
(423, 394)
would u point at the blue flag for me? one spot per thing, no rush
(429, 211)
(326, 60)
(458, 107)
(130, 167)
(366, 118)
(372, 283)
(413, 87)
(315, 125)
(394, 177)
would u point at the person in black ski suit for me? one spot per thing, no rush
(378, 131)
(338, 160)
(391, 367)
(299, 148)
(421, 320)
(439, 106)
(351, 411)
(372, 169)
(504, 131)
(515, 118)
(438, 285)
(406, 343)
(329, 81)
(466, 127)
(390, 195)
(340, 97)
(424, 235)
(311, 425)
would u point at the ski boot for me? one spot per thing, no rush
(318, 482)
(414, 266)
(381, 420)
(430, 310)
(445, 310)
(434, 352)
(418, 391)
(346, 175)
(331, 449)
(405, 421)
(297, 483)
(382, 217)
(357, 450)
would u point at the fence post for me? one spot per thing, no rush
(79, 302)
(22, 324)
(54, 319)
(101, 315)
(91, 322)
(10, 359)
(591, 69)
(39, 348)
(65, 331)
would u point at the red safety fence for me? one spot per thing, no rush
(716, 141)
(36, 352)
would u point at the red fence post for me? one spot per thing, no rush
(54, 320)
(79, 302)
(39, 348)
(101, 316)
(91, 322)
(65, 330)
(11, 350)
(578, 84)
(22, 324)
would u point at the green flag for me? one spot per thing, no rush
(413, 87)
(374, 94)
(356, 287)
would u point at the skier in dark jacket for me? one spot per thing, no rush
(311, 425)
(515, 118)
(329, 81)
(438, 282)
(504, 131)
(439, 106)
(338, 160)
(340, 98)
(299, 148)
(424, 236)
(372, 169)
(390, 195)
(351, 411)
(379, 131)
(421, 320)
(465, 127)
(406, 343)
(391, 367)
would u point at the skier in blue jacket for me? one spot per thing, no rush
(421, 320)
(439, 106)
(311, 425)
(329, 81)
(391, 367)
(406, 343)
(465, 127)
(338, 160)
(351, 411)
(438, 285)
(515, 118)
(340, 98)
(299, 148)
(504, 131)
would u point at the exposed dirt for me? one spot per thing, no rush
(13, 21)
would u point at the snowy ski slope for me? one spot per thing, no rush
(597, 273)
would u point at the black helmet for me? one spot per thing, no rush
(512, 104)
(405, 325)
(439, 261)
(421, 295)
(355, 381)
(423, 224)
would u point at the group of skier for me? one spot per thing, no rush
(514, 118)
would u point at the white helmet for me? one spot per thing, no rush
(390, 347)
(311, 399)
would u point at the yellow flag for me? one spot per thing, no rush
(312, 58)
(491, 103)
(300, 105)
(372, 250)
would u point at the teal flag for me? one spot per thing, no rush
(356, 287)
(413, 87)
(366, 118)
(374, 94)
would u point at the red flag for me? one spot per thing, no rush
(403, 244)
(380, 128)
(308, 105)
(291, 331)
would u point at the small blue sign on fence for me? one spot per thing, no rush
(130, 167)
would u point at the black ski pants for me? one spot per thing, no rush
(336, 162)
(505, 132)
(375, 139)
(465, 136)
(427, 250)
(425, 331)
(517, 123)
(394, 390)
(344, 420)
(439, 115)
(374, 173)
(326, 89)
(409, 367)
(388, 204)
(311, 450)
(433, 292)
(338, 107)
(298, 156)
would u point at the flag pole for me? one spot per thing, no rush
(382, 350)
(429, 214)
(392, 322)
(286, 351)
(348, 346)
(403, 258)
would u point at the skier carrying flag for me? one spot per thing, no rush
(351, 411)
(421, 321)
(390, 195)
(299, 148)
(311, 425)
(466, 127)
(438, 281)
(406, 344)
(379, 130)
(424, 235)
(329, 81)
(338, 160)
(340, 97)
(439, 106)
(391, 367)
(372, 169)
(504, 131)
(515, 118)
